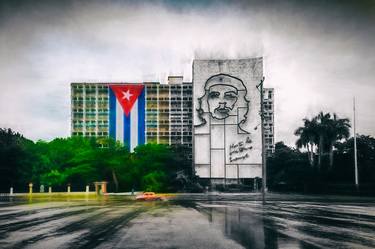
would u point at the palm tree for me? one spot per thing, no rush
(338, 128)
(324, 131)
(330, 130)
(323, 122)
(307, 137)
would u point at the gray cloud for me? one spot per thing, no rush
(318, 54)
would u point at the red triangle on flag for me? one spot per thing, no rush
(127, 95)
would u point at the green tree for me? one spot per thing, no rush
(56, 164)
(53, 177)
(154, 181)
(150, 158)
(323, 131)
(323, 122)
(308, 135)
(155, 167)
(337, 129)
(343, 167)
(81, 161)
(289, 167)
(106, 159)
(15, 158)
(116, 159)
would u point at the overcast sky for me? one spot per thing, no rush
(317, 54)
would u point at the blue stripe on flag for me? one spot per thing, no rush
(112, 114)
(127, 131)
(141, 117)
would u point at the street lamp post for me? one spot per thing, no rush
(355, 147)
(264, 159)
(30, 188)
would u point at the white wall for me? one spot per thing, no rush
(222, 148)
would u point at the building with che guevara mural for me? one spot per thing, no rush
(222, 112)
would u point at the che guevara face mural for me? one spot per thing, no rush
(221, 100)
(223, 96)
(226, 104)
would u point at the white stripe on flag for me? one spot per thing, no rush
(119, 122)
(134, 126)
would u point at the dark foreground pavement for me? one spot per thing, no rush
(196, 221)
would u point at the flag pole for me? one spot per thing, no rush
(355, 146)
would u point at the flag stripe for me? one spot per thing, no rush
(112, 114)
(119, 122)
(141, 118)
(127, 130)
(134, 126)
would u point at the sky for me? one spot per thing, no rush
(317, 54)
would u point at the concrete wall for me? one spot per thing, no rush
(227, 132)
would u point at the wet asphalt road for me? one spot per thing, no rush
(191, 223)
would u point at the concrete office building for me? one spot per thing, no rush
(90, 112)
(168, 110)
(227, 141)
(165, 113)
(269, 120)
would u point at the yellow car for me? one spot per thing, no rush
(148, 196)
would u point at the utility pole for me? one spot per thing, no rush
(355, 147)
(264, 157)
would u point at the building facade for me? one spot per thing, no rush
(167, 111)
(269, 120)
(89, 109)
(165, 114)
(227, 145)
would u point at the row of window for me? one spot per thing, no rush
(90, 93)
(268, 107)
(90, 110)
(268, 140)
(90, 134)
(90, 121)
(90, 125)
(184, 121)
(157, 99)
(167, 99)
(184, 109)
(89, 86)
(90, 116)
(90, 100)
(173, 133)
(267, 119)
(86, 124)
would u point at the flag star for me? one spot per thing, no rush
(127, 95)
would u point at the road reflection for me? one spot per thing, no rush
(250, 229)
(117, 222)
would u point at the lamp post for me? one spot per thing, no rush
(264, 166)
(30, 188)
(355, 148)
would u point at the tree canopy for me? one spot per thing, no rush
(80, 161)
(322, 132)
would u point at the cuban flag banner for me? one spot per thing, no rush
(127, 114)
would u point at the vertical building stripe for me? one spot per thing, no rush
(157, 115)
(134, 126)
(112, 114)
(145, 113)
(127, 130)
(141, 118)
(119, 122)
